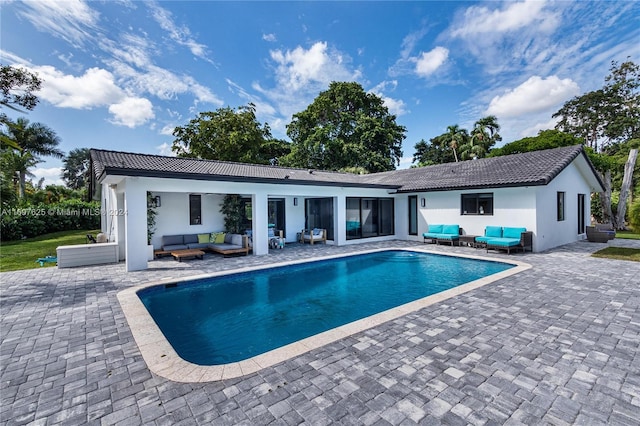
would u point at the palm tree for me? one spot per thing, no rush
(34, 140)
(455, 138)
(483, 136)
(76, 167)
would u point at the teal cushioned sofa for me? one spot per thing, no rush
(506, 238)
(442, 233)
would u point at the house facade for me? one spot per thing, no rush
(548, 192)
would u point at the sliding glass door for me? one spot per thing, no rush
(319, 214)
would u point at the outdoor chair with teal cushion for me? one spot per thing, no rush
(507, 238)
(47, 259)
(442, 233)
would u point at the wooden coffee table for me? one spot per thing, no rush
(179, 254)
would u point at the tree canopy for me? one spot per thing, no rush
(458, 143)
(609, 115)
(76, 168)
(35, 140)
(345, 127)
(228, 135)
(17, 87)
(546, 139)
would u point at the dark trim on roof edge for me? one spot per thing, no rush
(223, 178)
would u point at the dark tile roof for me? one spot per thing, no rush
(130, 164)
(526, 169)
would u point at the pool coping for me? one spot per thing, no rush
(164, 361)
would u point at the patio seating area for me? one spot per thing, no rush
(556, 344)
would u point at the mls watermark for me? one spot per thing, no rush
(29, 211)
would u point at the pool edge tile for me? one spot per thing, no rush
(162, 359)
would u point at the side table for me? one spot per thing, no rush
(468, 240)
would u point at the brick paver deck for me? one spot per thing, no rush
(556, 344)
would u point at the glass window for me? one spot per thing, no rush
(413, 215)
(560, 206)
(369, 217)
(481, 203)
(195, 209)
(354, 227)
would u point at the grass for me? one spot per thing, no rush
(629, 235)
(16, 255)
(620, 253)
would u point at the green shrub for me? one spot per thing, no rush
(34, 220)
(634, 215)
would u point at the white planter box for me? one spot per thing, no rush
(150, 252)
(87, 254)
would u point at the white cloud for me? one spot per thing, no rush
(131, 112)
(181, 35)
(534, 95)
(514, 15)
(300, 74)
(52, 175)
(395, 106)
(269, 37)
(168, 129)
(71, 20)
(165, 149)
(540, 125)
(300, 67)
(429, 62)
(96, 87)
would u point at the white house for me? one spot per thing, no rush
(548, 192)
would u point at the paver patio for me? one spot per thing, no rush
(556, 344)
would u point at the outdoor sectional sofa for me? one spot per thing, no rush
(506, 238)
(229, 244)
(442, 234)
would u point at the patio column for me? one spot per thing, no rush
(135, 224)
(260, 220)
(339, 225)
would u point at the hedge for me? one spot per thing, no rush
(35, 220)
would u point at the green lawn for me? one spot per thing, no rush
(629, 235)
(15, 255)
(620, 253)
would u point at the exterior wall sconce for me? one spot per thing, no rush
(295, 201)
(423, 202)
(154, 202)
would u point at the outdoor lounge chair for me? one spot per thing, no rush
(507, 238)
(314, 235)
(596, 236)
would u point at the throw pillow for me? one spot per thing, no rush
(219, 238)
(203, 238)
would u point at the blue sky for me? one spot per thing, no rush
(122, 74)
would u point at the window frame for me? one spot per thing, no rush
(475, 200)
(369, 203)
(412, 202)
(561, 206)
(195, 209)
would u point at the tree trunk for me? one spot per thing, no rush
(21, 184)
(605, 198)
(624, 189)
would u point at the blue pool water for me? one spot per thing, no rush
(231, 318)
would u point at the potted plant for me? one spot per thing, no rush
(151, 224)
(232, 209)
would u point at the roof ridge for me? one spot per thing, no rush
(224, 162)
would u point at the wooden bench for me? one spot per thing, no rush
(179, 254)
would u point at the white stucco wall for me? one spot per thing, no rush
(551, 232)
(531, 207)
(512, 207)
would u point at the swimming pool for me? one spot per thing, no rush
(232, 318)
(163, 360)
